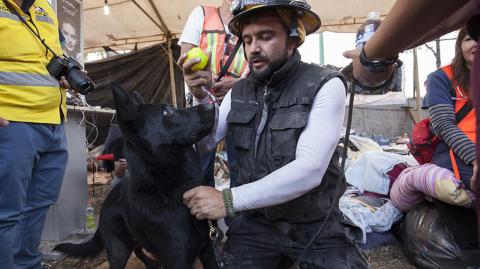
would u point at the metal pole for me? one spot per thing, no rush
(172, 75)
(321, 48)
(438, 56)
(416, 85)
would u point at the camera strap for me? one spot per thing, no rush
(36, 33)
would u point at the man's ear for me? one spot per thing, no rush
(292, 44)
(126, 109)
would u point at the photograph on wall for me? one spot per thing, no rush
(69, 19)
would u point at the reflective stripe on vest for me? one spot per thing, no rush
(213, 39)
(8, 15)
(44, 19)
(25, 79)
(467, 124)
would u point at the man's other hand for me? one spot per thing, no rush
(363, 75)
(3, 122)
(64, 83)
(223, 86)
(205, 203)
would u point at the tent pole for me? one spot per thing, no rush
(172, 74)
(321, 48)
(416, 85)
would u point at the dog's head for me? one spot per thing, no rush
(155, 126)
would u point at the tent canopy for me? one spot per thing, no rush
(143, 23)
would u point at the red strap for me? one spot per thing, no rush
(105, 157)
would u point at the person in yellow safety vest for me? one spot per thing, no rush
(33, 146)
(207, 28)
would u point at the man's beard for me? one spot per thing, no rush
(272, 66)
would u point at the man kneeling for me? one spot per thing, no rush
(284, 119)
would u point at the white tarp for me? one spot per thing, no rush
(127, 24)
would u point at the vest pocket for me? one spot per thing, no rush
(285, 129)
(240, 128)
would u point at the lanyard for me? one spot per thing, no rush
(36, 33)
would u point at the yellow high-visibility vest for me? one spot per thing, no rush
(28, 93)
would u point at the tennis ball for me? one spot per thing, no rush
(197, 53)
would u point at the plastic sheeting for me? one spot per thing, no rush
(146, 71)
(441, 236)
(370, 214)
(370, 171)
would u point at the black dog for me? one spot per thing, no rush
(147, 211)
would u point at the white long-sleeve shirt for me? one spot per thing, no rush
(314, 150)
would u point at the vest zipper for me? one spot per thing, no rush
(246, 102)
(263, 119)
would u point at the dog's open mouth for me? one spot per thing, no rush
(199, 134)
(195, 135)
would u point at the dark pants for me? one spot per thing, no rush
(254, 242)
(33, 158)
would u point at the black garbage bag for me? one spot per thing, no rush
(441, 236)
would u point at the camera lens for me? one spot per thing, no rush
(79, 81)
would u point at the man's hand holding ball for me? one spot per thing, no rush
(196, 69)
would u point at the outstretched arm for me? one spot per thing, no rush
(3, 122)
(408, 22)
(454, 22)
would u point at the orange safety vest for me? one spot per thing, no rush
(467, 125)
(215, 40)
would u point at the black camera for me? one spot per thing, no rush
(72, 70)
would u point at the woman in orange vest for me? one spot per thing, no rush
(448, 91)
(450, 221)
(450, 177)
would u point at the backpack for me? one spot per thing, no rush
(423, 142)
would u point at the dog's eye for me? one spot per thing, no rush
(167, 112)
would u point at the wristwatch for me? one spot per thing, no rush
(376, 66)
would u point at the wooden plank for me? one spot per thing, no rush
(173, 88)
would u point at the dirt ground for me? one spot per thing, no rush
(389, 257)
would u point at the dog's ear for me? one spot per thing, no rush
(137, 98)
(126, 108)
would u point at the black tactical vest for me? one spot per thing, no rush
(265, 122)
